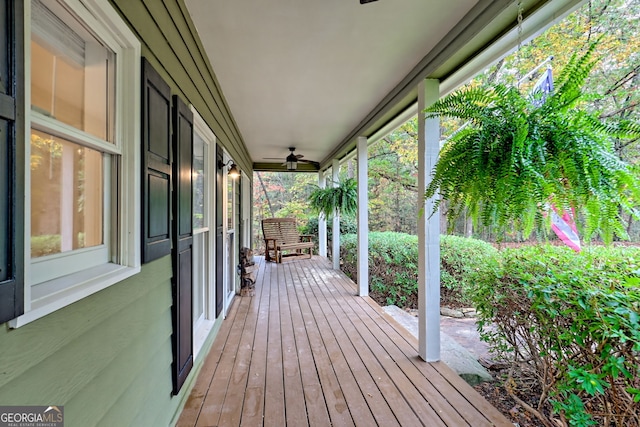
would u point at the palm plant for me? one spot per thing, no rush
(522, 154)
(342, 199)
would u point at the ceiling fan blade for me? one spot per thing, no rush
(316, 164)
(367, 1)
(293, 158)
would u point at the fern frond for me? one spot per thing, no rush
(517, 157)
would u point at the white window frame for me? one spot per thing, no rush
(246, 210)
(231, 238)
(202, 329)
(123, 192)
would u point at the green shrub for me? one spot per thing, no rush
(461, 259)
(347, 225)
(393, 266)
(569, 324)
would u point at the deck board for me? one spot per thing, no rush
(223, 354)
(253, 405)
(439, 375)
(305, 350)
(295, 405)
(315, 402)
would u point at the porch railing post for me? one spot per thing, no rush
(363, 217)
(322, 221)
(335, 240)
(428, 228)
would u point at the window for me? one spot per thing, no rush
(72, 71)
(67, 188)
(204, 143)
(84, 79)
(231, 205)
(200, 181)
(200, 227)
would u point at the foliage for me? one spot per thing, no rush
(275, 192)
(393, 162)
(43, 148)
(45, 245)
(461, 258)
(570, 323)
(393, 265)
(342, 198)
(348, 225)
(278, 195)
(393, 180)
(522, 153)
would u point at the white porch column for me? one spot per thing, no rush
(335, 251)
(363, 217)
(428, 228)
(322, 221)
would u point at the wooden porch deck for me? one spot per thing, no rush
(305, 350)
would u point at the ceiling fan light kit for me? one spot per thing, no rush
(292, 162)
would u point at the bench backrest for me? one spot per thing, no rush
(284, 230)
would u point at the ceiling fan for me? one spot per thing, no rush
(291, 162)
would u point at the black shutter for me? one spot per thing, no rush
(156, 153)
(182, 243)
(11, 159)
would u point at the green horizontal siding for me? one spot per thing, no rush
(104, 357)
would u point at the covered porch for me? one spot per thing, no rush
(306, 350)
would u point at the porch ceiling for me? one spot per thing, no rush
(316, 74)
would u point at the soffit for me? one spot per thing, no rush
(316, 74)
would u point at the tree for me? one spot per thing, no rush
(393, 180)
(280, 194)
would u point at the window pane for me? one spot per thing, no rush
(230, 204)
(66, 196)
(72, 73)
(200, 274)
(199, 182)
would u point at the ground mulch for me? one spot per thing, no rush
(496, 394)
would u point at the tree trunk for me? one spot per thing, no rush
(266, 195)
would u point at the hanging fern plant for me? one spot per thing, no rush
(521, 154)
(342, 199)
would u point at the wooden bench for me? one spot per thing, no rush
(281, 235)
